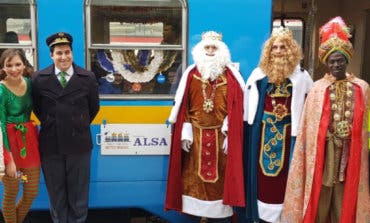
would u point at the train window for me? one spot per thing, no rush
(17, 27)
(136, 48)
(296, 25)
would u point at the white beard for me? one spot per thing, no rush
(211, 68)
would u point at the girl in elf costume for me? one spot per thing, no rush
(19, 136)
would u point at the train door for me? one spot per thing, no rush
(313, 14)
(366, 55)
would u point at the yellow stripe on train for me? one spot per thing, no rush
(129, 114)
(133, 114)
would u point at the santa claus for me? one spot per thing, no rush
(205, 170)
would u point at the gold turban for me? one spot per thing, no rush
(334, 36)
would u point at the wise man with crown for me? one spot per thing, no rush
(273, 102)
(328, 177)
(205, 177)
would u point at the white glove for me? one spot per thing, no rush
(186, 144)
(224, 146)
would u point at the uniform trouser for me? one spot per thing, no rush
(15, 213)
(67, 179)
(330, 203)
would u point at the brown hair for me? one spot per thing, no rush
(9, 54)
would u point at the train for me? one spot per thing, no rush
(127, 45)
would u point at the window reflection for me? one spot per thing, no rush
(120, 25)
(15, 28)
(121, 33)
(135, 47)
(137, 71)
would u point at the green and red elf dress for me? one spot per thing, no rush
(19, 134)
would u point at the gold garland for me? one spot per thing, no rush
(133, 59)
(169, 58)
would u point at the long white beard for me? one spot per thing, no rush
(211, 68)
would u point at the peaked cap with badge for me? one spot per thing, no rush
(59, 38)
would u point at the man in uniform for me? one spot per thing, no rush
(66, 100)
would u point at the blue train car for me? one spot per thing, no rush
(111, 38)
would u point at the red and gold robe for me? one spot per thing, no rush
(305, 174)
(226, 181)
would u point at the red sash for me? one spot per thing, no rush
(23, 143)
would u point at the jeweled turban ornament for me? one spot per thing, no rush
(334, 36)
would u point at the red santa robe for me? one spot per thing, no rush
(233, 191)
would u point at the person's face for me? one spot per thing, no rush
(210, 50)
(117, 79)
(169, 34)
(337, 65)
(14, 67)
(278, 48)
(62, 57)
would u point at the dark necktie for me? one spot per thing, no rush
(62, 79)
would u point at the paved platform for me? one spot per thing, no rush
(100, 216)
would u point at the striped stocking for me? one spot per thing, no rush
(17, 213)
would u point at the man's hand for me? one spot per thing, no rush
(186, 144)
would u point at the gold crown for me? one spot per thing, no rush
(211, 35)
(281, 31)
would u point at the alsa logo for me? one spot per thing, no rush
(155, 141)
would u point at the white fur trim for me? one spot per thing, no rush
(187, 132)
(209, 209)
(269, 212)
(251, 95)
(225, 126)
(302, 83)
(182, 85)
(179, 95)
(224, 145)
